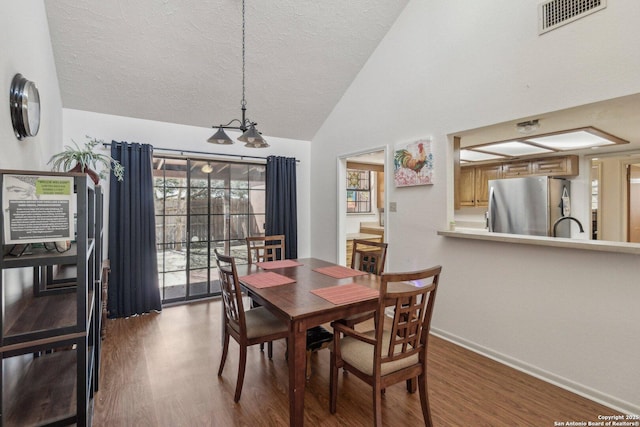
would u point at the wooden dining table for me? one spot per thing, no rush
(301, 309)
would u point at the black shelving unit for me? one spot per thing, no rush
(50, 322)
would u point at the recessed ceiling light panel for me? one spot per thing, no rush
(476, 156)
(571, 140)
(515, 148)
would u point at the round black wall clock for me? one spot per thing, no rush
(24, 100)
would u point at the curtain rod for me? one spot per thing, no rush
(241, 156)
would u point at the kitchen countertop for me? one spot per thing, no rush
(372, 225)
(351, 236)
(558, 242)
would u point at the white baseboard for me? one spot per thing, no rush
(579, 389)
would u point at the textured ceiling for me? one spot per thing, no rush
(180, 61)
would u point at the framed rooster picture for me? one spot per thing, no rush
(413, 164)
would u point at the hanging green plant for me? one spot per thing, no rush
(75, 158)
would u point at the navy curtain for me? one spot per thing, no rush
(281, 213)
(133, 281)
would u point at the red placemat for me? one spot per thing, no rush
(266, 280)
(268, 265)
(343, 294)
(339, 272)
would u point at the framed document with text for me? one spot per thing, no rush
(37, 208)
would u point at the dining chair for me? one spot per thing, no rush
(390, 353)
(255, 326)
(318, 338)
(271, 248)
(265, 248)
(370, 257)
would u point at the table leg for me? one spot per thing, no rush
(297, 378)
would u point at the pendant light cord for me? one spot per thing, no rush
(251, 136)
(244, 102)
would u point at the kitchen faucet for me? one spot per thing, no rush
(559, 220)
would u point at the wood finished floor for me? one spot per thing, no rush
(160, 370)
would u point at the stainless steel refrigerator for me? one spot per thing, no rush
(529, 205)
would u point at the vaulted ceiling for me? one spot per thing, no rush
(180, 61)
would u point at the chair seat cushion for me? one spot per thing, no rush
(261, 322)
(317, 336)
(360, 355)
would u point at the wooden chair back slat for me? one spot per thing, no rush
(412, 313)
(265, 248)
(266, 327)
(399, 352)
(369, 256)
(231, 291)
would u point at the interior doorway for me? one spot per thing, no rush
(633, 216)
(615, 197)
(361, 199)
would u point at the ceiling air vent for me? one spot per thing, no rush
(555, 13)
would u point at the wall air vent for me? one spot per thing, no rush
(555, 13)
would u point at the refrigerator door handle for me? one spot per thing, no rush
(490, 210)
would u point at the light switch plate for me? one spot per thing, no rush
(393, 207)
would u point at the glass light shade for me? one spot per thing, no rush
(257, 144)
(220, 137)
(253, 138)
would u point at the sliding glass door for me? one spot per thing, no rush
(202, 206)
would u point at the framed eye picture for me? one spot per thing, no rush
(413, 164)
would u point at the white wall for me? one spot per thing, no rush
(566, 315)
(26, 49)
(78, 124)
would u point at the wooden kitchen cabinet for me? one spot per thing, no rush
(555, 166)
(560, 166)
(516, 169)
(467, 189)
(474, 184)
(550, 166)
(483, 175)
(473, 189)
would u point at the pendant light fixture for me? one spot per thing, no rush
(207, 168)
(250, 136)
